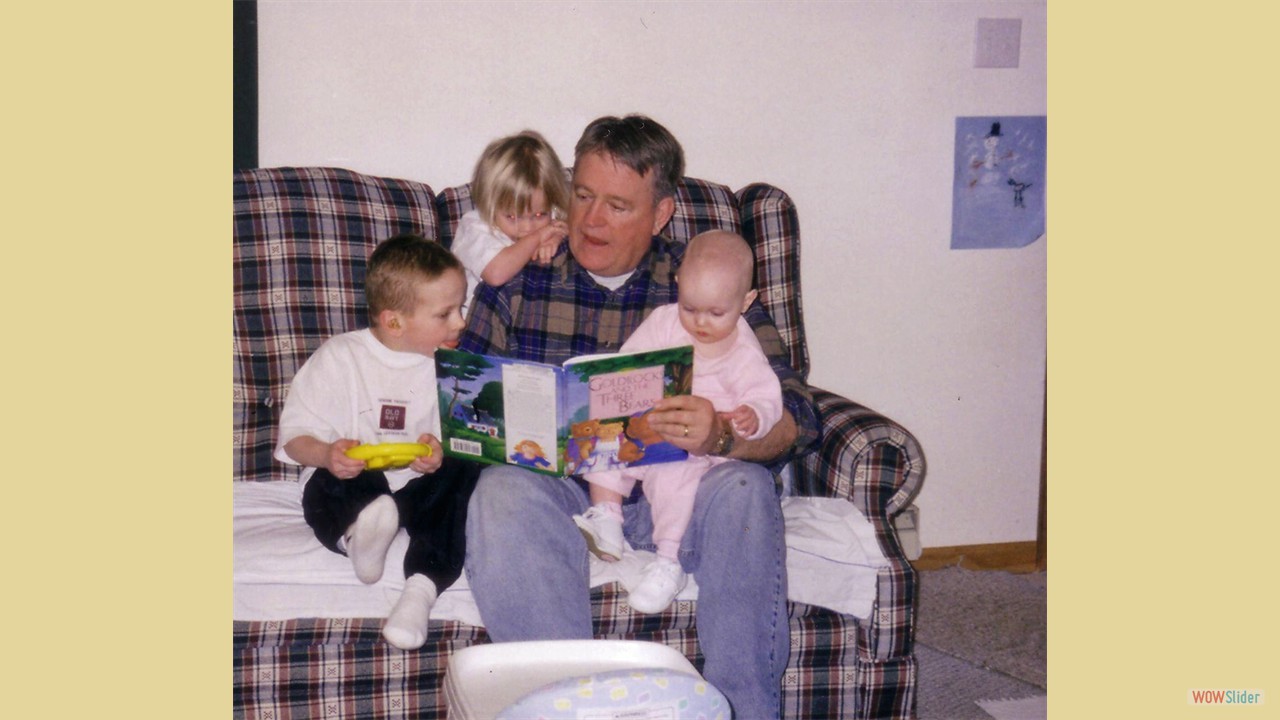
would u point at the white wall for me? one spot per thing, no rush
(849, 107)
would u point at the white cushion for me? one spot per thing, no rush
(280, 570)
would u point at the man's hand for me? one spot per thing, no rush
(672, 415)
(687, 421)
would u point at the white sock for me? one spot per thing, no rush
(406, 626)
(370, 536)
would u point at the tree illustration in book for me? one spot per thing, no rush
(584, 416)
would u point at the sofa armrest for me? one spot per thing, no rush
(863, 457)
(877, 465)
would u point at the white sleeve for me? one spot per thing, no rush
(310, 408)
(476, 244)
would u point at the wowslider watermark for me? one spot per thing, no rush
(1224, 697)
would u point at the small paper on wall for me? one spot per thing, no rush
(998, 197)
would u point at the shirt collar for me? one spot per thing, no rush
(662, 251)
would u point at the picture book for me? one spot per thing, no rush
(585, 416)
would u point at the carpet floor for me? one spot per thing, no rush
(950, 688)
(980, 635)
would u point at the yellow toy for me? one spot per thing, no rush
(388, 456)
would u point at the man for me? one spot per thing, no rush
(526, 560)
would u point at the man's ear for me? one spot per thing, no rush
(749, 298)
(666, 208)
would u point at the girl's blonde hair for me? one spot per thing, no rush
(511, 170)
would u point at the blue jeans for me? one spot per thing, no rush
(528, 570)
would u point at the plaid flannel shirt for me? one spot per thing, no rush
(553, 313)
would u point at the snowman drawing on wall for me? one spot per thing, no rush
(996, 166)
(998, 190)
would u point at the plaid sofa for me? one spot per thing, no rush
(302, 237)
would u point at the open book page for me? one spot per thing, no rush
(531, 421)
(498, 410)
(608, 399)
(584, 417)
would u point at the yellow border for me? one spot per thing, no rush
(117, 292)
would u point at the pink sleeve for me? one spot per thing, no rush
(753, 382)
(661, 329)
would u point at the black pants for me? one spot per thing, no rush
(433, 509)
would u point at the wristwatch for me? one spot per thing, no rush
(724, 444)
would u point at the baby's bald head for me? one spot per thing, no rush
(719, 257)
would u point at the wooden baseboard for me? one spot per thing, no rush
(1011, 557)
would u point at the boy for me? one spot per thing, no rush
(378, 385)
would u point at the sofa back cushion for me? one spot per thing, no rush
(302, 238)
(771, 225)
(761, 213)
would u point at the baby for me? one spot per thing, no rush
(729, 369)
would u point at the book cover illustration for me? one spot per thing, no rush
(586, 416)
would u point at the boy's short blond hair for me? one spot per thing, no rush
(396, 267)
(511, 170)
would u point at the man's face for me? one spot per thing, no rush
(612, 215)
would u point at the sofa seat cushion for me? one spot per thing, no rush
(281, 571)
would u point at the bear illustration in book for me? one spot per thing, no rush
(597, 445)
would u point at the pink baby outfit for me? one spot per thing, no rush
(742, 376)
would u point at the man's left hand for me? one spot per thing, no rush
(687, 421)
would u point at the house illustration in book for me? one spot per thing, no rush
(477, 420)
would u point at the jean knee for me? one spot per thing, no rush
(742, 485)
(508, 498)
(500, 490)
(492, 504)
